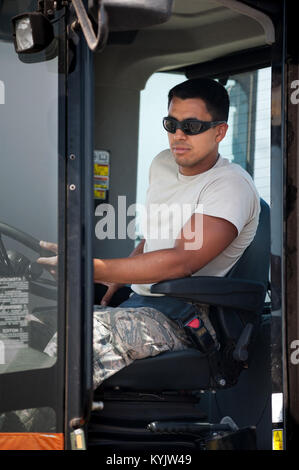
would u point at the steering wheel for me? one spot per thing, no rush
(16, 264)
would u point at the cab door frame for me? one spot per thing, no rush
(77, 198)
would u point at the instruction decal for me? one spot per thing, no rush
(14, 301)
(101, 174)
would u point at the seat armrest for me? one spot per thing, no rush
(220, 291)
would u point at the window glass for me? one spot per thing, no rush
(28, 194)
(248, 138)
(262, 155)
(29, 420)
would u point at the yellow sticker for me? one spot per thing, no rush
(99, 194)
(101, 170)
(277, 443)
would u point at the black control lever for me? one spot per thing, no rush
(240, 353)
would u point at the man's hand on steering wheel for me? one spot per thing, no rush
(51, 262)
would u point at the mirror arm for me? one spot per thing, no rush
(95, 42)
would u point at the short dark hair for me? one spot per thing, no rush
(211, 92)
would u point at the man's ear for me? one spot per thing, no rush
(221, 132)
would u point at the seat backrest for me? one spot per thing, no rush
(255, 261)
(237, 329)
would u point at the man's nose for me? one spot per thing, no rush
(179, 134)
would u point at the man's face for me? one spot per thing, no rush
(194, 154)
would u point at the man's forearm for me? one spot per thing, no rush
(142, 268)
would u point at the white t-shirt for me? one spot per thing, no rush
(225, 190)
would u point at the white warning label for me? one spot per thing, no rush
(14, 300)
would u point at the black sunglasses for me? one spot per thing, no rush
(189, 126)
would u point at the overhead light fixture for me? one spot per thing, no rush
(32, 32)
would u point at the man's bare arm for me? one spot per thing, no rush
(171, 263)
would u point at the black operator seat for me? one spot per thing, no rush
(236, 305)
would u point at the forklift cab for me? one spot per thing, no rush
(82, 89)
